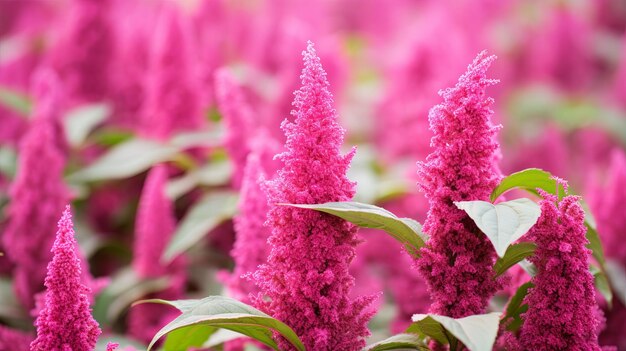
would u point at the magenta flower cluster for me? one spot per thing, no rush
(457, 263)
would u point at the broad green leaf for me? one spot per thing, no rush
(221, 336)
(227, 313)
(407, 231)
(617, 276)
(529, 179)
(206, 214)
(601, 281)
(476, 332)
(8, 162)
(595, 245)
(16, 101)
(207, 138)
(503, 223)
(512, 317)
(184, 338)
(514, 254)
(399, 342)
(10, 308)
(124, 288)
(213, 174)
(79, 122)
(125, 160)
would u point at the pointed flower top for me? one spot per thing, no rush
(65, 323)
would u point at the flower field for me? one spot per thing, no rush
(245, 175)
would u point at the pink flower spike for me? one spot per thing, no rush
(306, 278)
(457, 263)
(65, 323)
(561, 306)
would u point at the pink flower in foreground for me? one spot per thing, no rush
(38, 195)
(561, 306)
(457, 263)
(238, 118)
(155, 225)
(306, 278)
(65, 323)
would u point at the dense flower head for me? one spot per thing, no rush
(172, 101)
(306, 278)
(155, 225)
(65, 323)
(457, 262)
(83, 53)
(561, 305)
(38, 195)
(250, 249)
(238, 118)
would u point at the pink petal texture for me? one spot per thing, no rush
(65, 323)
(457, 263)
(238, 119)
(251, 249)
(306, 279)
(172, 101)
(38, 194)
(562, 309)
(155, 225)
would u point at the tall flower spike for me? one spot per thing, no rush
(457, 262)
(38, 194)
(154, 227)
(561, 304)
(306, 278)
(238, 118)
(172, 101)
(65, 323)
(251, 248)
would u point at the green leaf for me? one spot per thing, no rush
(213, 174)
(184, 338)
(16, 101)
(125, 160)
(476, 332)
(207, 138)
(595, 245)
(503, 223)
(529, 179)
(10, 308)
(220, 337)
(122, 340)
(399, 342)
(617, 276)
(405, 230)
(206, 214)
(124, 288)
(514, 254)
(8, 162)
(601, 281)
(227, 313)
(512, 317)
(79, 122)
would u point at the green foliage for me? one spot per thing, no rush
(512, 317)
(399, 342)
(405, 230)
(16, 101)
(206, 214)
(81, 121)
(476, 332)
(514, 254)
(223, 312)
(529, 179)
(503, 223)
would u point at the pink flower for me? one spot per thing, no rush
(251, 248)
(561, 313)
(155, 225)
(457, 262)
(306, 278)
(65, 323)
(83, 55)
(38, 195)
(238, 119)
(14, 340)
(172, 101)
